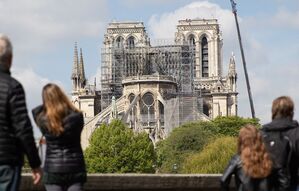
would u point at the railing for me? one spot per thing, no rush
(140, 182)
(149, 78)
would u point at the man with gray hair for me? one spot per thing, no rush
(16, 134)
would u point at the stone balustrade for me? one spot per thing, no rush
(140, 182)
(149, 78)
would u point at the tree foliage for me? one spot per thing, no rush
(196, 147)
(116, 149)
(213, 158)
(191, 138)
(230, 126)
(183, 140)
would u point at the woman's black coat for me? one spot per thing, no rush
(64, 153)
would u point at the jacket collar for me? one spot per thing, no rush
(280, 125)
(4, 70)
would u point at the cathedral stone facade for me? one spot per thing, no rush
(155, 88)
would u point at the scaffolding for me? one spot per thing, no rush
(119, 63)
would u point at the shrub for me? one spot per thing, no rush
(213, 158)
(183, 140)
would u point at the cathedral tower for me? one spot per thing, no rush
(218, 92)
(204, 35)
(84, 95)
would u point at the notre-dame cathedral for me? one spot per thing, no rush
(157, 87)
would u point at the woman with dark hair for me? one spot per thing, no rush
(61, 124)
(252, 165)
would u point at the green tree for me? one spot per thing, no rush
(213, 158)
(116, 149)
(230, 126)
(183, 140)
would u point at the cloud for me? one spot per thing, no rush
(164, 26)
(32, 83)
(42, 32)
(37, 25)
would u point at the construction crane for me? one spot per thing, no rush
(234, 10)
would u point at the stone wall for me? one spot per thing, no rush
(138, 182)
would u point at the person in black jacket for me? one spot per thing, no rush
(251, 166)
(282, 122)
(61, 124)
(16, 135)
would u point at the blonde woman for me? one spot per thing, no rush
(252, 165)
(61, 124)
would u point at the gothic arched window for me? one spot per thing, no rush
(205, 57)
(119, 42)
(206, 108)
(147, 109)
(191, 43)
(191, 40)
(131, 42)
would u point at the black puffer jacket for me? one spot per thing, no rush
(244, 182)
(290, 129)
(16, 135)
(64, 153)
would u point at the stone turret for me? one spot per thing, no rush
(81, 71)
(75, 72)
(78, 74)
(84, 95)
(232, 66)
(232, 74)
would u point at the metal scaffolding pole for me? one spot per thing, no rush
(234, 10)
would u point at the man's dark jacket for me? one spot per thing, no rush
(290, 129)
(16, 135)
(64, 153)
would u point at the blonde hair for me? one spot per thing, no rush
(56, 107)
(282, 107)
(256, 161)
